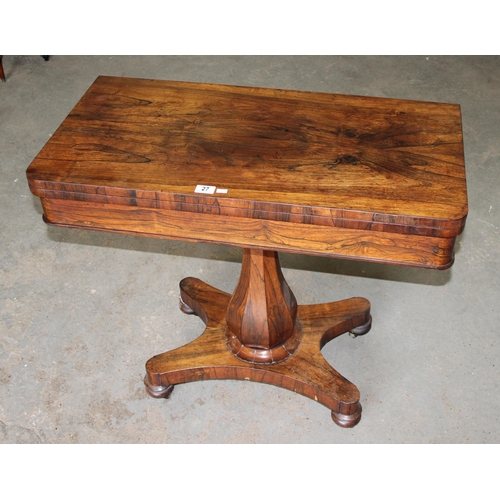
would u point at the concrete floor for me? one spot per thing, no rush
(81, 312)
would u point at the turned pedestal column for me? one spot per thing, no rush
(262, 313)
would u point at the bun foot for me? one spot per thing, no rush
(158, 391)
(347, 420)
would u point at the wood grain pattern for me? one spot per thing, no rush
(306, 372)
(359, 163)
(261, 315)
(394, 248)
(359, 178)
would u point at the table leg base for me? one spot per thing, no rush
(305, 372)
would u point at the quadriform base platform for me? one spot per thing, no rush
(267, 170)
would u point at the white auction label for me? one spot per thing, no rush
(205, 189)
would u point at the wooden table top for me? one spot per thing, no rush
(357, 163)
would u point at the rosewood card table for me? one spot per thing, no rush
(370, 179)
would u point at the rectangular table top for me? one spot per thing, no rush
(330, 166)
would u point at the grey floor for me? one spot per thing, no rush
(81, 312)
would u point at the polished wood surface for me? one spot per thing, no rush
(306, 372)
(394, 248)
(358, 174)
(267, 170)
(261, 315)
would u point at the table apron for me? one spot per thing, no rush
(363, 245)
